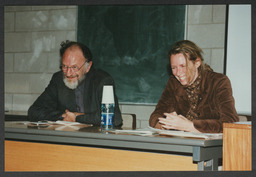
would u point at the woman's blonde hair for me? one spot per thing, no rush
(190, 51)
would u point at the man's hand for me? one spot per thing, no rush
(70, 116)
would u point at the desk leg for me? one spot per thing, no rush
(210, 165)
(207, 158)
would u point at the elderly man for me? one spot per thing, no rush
(75, 93)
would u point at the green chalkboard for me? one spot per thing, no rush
(132, 43)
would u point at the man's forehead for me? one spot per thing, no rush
(74, 49)
(73, 54)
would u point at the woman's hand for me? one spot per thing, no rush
(158, 126)
(177, 122)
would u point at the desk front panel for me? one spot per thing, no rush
(28, 156)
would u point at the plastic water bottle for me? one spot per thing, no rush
(107, 108)
(107, 116)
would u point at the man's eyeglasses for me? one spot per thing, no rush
(73, 68)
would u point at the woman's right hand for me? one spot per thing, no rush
(158, 126)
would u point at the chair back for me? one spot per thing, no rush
(129, 121)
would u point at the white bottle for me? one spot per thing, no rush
(107, 108)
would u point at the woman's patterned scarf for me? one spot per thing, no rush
(193, 92)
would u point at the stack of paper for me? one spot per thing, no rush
(188, 134)
(135, 132)
(152, 131)
(58, 125)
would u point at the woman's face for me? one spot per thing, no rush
(185, 73)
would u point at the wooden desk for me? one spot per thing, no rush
(88, 149)
(237, 148)
(28, 156)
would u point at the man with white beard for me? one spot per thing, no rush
(74, 93)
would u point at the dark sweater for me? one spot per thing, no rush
(56, 98)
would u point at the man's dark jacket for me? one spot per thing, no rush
(57, 97)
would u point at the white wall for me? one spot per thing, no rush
(239, 56)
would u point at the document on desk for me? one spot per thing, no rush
(51, 123)
(173, 133)
(188, 134)
(141, 132)
(39, 123)
(60, 122)
(58, 125)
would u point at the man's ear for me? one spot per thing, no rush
(88, 67)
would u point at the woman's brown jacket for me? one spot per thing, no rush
(216, 103)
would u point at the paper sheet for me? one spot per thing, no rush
(66, 123)
(188, 134)
(151, 131)
(135, 132)
(58, 125)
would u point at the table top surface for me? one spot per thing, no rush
(26, 131)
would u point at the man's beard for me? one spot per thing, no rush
(74, 84)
